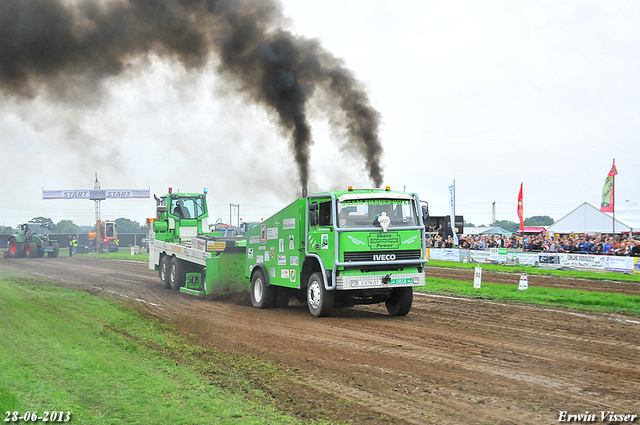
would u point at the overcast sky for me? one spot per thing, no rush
(490, 94)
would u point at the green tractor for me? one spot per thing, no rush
(32, 241)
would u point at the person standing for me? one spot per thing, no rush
(70, 246)
(74, 242)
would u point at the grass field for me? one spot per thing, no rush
(592, 301)
(66, 350)
(122, 253)
(580, 274)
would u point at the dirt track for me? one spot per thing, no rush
(450, 361)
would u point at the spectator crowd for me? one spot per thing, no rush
(622, 245)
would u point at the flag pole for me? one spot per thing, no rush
(613, 199)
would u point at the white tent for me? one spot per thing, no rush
(587, 218)
(495, 231)
(474, 230)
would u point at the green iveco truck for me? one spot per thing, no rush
(332, 249)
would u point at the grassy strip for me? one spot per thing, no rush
(122, 253)
(593, 301)
(66, 350)
(576, 274)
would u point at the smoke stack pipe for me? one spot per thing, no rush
(304, 192)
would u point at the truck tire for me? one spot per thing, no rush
(31, 250)
(15, 248)
(177, 274)
(164, 271)
(56, 250)
(399, 302)
(319, 300)
(262, 295)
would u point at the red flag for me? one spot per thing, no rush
(520, 209)
(606, 204)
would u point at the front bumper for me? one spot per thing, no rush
(388, 281)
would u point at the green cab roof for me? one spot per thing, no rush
(365, 192)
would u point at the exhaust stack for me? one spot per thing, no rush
(304, 192)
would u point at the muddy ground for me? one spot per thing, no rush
(450, 361)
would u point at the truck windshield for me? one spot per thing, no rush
(359, 213)
(187, 207)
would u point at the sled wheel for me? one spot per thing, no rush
(177, 274)
(164, 271)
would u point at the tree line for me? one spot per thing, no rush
(534, 221)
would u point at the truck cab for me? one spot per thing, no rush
(340, 248)
(180, 217)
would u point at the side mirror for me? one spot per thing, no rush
(425, 214)
(313, 214)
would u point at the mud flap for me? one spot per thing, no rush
(226, 273)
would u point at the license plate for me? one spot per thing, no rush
(368, 282)
(402, 281)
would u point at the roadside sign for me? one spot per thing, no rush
(477, 277)
(524, 282)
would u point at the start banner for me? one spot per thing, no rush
(96, 194)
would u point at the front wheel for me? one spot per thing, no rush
(177, 274)
(56, 250)
(399, 302)
(262, 294)
(319, 300)
(31, 249)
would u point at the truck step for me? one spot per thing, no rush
(193, 292)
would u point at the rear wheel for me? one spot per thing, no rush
(177, 274)
(164, 271)
(15, 248)
(31, 250)
(319, 300)
(262, 295)
(399, 303)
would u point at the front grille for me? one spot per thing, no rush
(413, 254)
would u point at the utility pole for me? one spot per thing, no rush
(96, 187)
(230, 209)
(493, 213)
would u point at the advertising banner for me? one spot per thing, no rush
(444, 254)
(480, 256)
(583, 261)
(523, 258)
(542, 259)
(619, 264)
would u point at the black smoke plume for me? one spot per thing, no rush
(47, 45)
